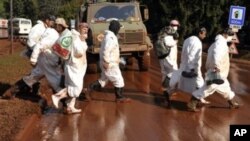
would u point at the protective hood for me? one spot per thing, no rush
(219, 37)
(114, 26)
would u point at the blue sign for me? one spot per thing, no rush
(237, 15)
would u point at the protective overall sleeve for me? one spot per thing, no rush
(35, 53)
(108, 47)
(44, 45)
(218, 53)
(35, 34)
(194, 55)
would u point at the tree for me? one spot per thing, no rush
(3, 14)
(21, 8)
(212, 14)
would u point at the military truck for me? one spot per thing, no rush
(133, 38)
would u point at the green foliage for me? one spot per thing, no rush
(3, 14)
(49, 6)
(13, 67)
(70, 13)
(33, 8)
(212, 14)
(21, 8)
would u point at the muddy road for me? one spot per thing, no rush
(146, 118)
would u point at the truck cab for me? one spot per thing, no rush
(133, 38)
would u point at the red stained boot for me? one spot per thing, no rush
(119, 96)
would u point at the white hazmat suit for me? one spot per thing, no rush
(169, 63)
(35, 34)
(75, 66)
(110, 54)
(191, 58)
(218, 56)
(46, 61)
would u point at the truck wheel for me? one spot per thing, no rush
(93, 63)
(144, 61)
(130, 61)
(92, 68)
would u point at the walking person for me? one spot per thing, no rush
(217, 66)
(189, 76)
(109, 63)
(37, 31)
(45, 64)
(168, 62)
(74, 68)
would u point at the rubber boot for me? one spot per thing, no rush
(87, 94)
(167, 99)
(58, 96)
(95, 86)
(19, 86)
(192, 105)
(233, 104)
(205, 102)
(202, 102)
(119, 96)
(71, 106)
(36, 89)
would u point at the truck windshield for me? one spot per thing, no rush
(116, 12)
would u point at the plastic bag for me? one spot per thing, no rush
(63, 45)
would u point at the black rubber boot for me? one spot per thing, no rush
(119, 96)
(85, 95)
(36, 89)
(167, 99)
(18, 87)
(62, 81)
(233, 104)
(95, 85)
(192, 105)
(165, 82)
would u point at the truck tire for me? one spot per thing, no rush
(93, 63)
(130, 61)
(143, 59)
(92, 68)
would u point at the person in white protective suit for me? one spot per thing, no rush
(189, 76)
(74, 70)
(175, 24)
(217, 63)
(168, 64)
(109, 63)
(37, 31)
(45, 63)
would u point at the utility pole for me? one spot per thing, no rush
(11, 26)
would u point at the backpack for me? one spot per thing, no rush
(162, 50)
(63, 45)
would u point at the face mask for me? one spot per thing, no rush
(84, 36)
(229, 38)
(175, 28)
